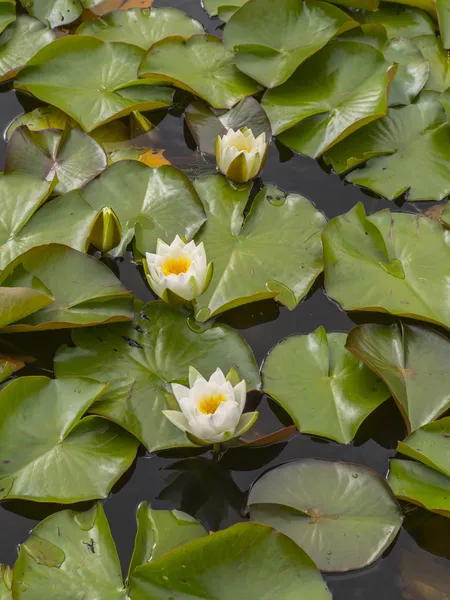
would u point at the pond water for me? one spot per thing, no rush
(215, 492)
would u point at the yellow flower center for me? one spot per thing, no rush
(176, 266)
(243, 143)
(209, 404)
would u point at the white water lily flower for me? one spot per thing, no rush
(239, 155)
(179, 268)
(211, 410)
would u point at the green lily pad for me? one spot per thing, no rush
(19, 42)
(79, 71)
(223, 9)
(389, 262)
(140, 360)
(7, 13)
(350, 90)
(54, 13)
(270, 44)
(413, 361)
(84, 290)
(49, 453)
(73, 156)
(5, 582)
(161, 531)
(343, 515)
(434, 51)
(318, 366)
(251, 261)
(445, 215)
(141, 27)
(430, 445)
(443, 10)
(16, 303)
(420, 485)
(245, 560)
(399, 20)
(150, 203)
(42, 117)
(69, 554)
(205, 125)
(207, 69)
(406, 151)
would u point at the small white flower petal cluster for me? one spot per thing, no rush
(239, 155)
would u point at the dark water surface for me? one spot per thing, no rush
(215, 492)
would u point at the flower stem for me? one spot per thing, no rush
(216, 448)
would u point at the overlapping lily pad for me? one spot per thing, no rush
(19, 42)
(434, 51)
(7, 13)
(141, 27)
(72, 156)
(54, 13)
(140, 360)
(338, 90)
(150, 203)
(442, 9)
(397, 263)
(78, 290)
(399, 20)
(318, 366)
(251, 259)
(430, 445)
(413, 361)
(49, 453)
(270, 44)
(207, 69)
(76, 72)
(343, 515)
(222, 8)
(5, 582)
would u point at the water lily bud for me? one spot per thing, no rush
(239, 155)
(211, 411)
(106, 232)
(179, 269)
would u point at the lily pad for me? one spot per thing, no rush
(49, 453)
(7, 13)
(413, 361)
(161, 531)
(142, 359)
(141, 27)
(245, 560)
(79, 71)
(54, 13)
(412, 71)
(84, 290)
(399, 20)
(69, 554)
(350, 89)
(430, 445)
(433, 50)
(150, 203)
(223, 9)
(343, 515)
(270, 44)
(406, 151)
(317, 365)
(73, 156)
(443, 9)
(16, 303)
(12, 364)
(395, 263)
(205, 125)
(19, 42)
(420, 485)
(207, 69)
(42, 117)
(251, 260)
(5, 582)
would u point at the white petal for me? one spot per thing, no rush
(177, 418)
(180, 391)
(188, 406)
(161, 247)
(240, 394)
(200, 426)
(194, 375)
(245, 422)
(226, 417)
(218, 378)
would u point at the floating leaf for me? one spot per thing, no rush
(79, 71)
(251, 260)
(73, 156)
(10, 365)
(82, 544)
(5, 582)
(150, 203)
(7, 14)
(399, 20)
(270, 44)
(148, 156)
(207, 69)
(42, 117)
(430, 445)
(141, 27)
(350, 90)
(54, 13)
(443, 9)
(420, 485)
(434, 51)
(412, 71)
(84, 290)
(389, 262)
(140, 360)
(161, 531)
(343, 515)
(406, 151)
(317, 365)
(49, 453)
(98, 8)
(16, 303)
(19, 42)
(245, 560)
(223, 9)
(413, 361)
(205, 125)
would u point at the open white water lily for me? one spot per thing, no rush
(179, 269)
(211, 410)
(239, 155)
